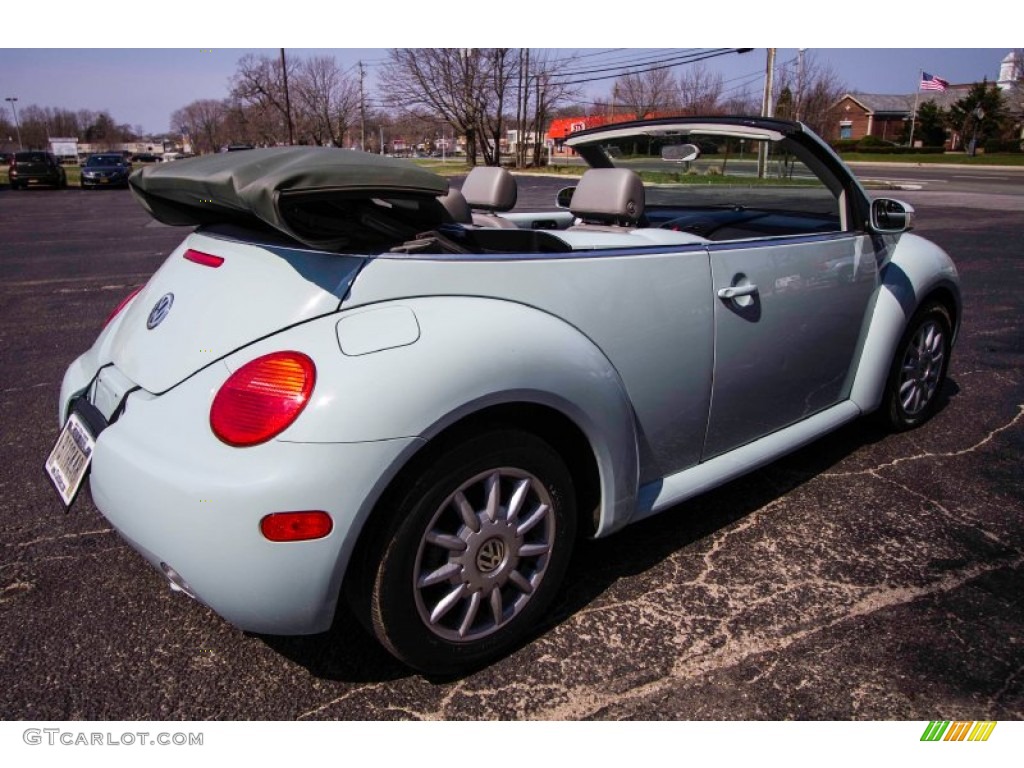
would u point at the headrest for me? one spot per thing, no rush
(490, 189)
(609, 195)
(455, 203)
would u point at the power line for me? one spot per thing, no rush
(689, 59)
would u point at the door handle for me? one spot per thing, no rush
(737, 291)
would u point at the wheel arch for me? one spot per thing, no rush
(553, 426)
(517, 367)
(917, 273)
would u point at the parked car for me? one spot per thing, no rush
(105, 170)
(146, 157)
(5, 158)
(32, 167)
(340, 387)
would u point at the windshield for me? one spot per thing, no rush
(104, 160)
(714, 170)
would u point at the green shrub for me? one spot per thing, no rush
(889, 150)
(870, 142)
(844, 145)
(995, 145)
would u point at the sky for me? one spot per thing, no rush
(143, 86)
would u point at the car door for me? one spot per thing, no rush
(790, 299)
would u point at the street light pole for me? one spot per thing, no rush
(14, 108)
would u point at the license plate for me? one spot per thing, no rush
(104, 181)
(70, 458)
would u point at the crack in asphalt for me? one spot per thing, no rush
(587, 702)
(12, 590)
(41, 539)
(929, 454)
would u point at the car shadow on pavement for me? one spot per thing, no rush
(349, 653)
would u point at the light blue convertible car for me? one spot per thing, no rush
(351, 382)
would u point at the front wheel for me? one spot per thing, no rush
(918, 369)
(478, 546)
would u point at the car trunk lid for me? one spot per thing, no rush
(217, 292)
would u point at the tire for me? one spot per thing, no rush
(918, 370)
(477, 548)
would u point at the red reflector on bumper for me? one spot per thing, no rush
(206, 259)
(296, 526)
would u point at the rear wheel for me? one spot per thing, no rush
(479, 544)
(918, 369)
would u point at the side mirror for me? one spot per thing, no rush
(564, 197)
(680, 153)
(890, 217)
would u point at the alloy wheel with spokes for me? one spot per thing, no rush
(484, 553)
(919, 369)
(922, 368)
(480, 540)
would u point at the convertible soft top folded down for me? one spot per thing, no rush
(323, 197)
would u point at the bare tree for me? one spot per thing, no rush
(326, 100)
(469, 88)
(499, 71)
(741, 103)
(700, 91)
(447, 83)
(646, 92)
(34, 132)
(815, 89)
(548, 92)
(205, 122)
(258, 86)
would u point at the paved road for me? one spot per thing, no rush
(868, 576)
(941, 177)
(953, 179)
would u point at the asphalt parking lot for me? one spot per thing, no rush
(868, 576)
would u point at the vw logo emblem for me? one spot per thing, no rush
(160, 311)
(490, 555)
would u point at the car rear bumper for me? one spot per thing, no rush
(27, 179)
(104, 182)
(192, 507)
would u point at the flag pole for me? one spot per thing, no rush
(913, 115)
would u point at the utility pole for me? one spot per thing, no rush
(12, 100)
(766, 110)
(362, 109)
(287, 101)
(800, 84)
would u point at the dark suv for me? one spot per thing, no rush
(36, 167)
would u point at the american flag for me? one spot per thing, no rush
(933, 83)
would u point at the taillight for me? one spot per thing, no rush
(296, 526)
(124, 303)
(206, 259)
(262, 398)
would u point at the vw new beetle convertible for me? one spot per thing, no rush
(351, 382)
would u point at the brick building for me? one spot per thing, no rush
(885, 115)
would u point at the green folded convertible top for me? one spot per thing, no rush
(335, 199)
